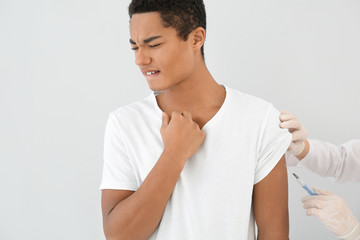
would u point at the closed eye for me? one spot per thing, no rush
(152, 46)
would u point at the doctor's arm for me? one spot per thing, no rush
(323, 158)
(270, 202)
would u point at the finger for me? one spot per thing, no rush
(298, 136)
(324, 198)
(165, 120)
(196, 126)
(291, 124)
(309, 198)
(186, 114)
(287, 117)
(283, 112)
(314, 203)
(305, 198)
(323, 192)
(314, 212)
(175, 114)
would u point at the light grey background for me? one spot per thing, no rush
(64, 65)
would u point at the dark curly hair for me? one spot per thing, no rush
(183, 15)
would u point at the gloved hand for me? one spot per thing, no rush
(299, 133)
(333, 213)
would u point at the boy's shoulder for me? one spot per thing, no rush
(136, 108)
(243, 100)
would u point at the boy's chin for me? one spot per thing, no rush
(157, 92)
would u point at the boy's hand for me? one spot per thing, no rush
(181, 135)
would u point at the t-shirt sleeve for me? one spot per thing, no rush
(273, 143)
(117, 170)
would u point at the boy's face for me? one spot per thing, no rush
(164, 59)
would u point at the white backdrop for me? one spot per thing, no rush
(64, 65)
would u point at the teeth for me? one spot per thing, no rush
(149, 73)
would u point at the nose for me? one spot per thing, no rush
(142, 58)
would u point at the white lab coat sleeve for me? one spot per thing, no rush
(341, 163)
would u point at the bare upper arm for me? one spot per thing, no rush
(270, 201)
(110, 198)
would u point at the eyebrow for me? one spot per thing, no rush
(146, 40)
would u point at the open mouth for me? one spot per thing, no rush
(151, 73)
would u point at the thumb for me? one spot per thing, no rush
(165, 120)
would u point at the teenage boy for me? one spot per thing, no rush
(196, 160)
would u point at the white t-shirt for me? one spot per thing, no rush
(213, 196)
(341, 163)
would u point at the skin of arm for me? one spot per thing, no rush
(136, 215)
(270, 202)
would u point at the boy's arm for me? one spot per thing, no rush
(270, 202)
(136, 215)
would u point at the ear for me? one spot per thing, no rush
(198, 37)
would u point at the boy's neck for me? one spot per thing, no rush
(201, 91)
